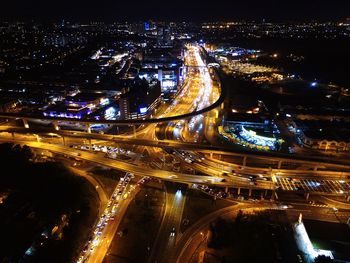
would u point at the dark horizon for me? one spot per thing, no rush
(108, 11)
(69, 20)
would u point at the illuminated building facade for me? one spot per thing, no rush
(161, 65)
(140, 100)
(77, 106)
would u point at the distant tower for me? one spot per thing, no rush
(164, 35)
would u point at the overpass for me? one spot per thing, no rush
(299, 183)
(279, 158)
(135, 168)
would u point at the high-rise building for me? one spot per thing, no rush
(164, 36)
(124, 107)
(140, 99)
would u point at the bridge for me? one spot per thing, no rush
(314, 182)
(279, 158)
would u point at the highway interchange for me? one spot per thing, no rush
(184, 138)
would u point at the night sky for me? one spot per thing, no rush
(114, 10)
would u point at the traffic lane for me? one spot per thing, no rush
(172, 232)
(161, 238)
(341, 170)
(93, 157)
(110, 232)
(182, 178)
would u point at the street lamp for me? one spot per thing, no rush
(202, 235)
(37, 137)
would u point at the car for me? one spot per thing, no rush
(188, 160)
(172, 233)
(85, 249)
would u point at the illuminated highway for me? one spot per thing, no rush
(194, 96)
(239, 178)
(124, 166)
(169, 232)
(237, 172)
(109, 222)
(342, 165)
(189, 127)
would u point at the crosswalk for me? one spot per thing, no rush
(313, 185)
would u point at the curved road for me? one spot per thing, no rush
(122, 122)
(192, 237)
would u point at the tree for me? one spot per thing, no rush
(27, 152)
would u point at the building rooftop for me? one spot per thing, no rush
(85, 97)
(246, 118)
